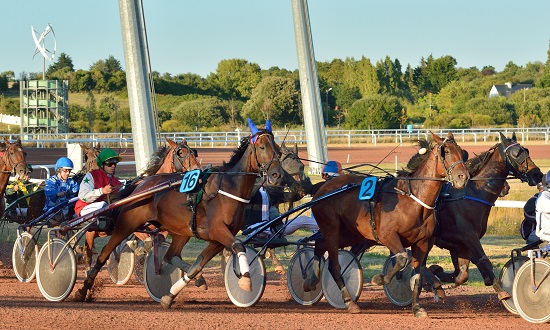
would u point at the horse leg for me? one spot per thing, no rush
(173, 256)
(313, 267)
(418, 259)
(485, 267)
(335, 270)
(276, 263)
(89, 249)
(122, 230)
(206, 255)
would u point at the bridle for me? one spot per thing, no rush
(6, 158)
(262, 168)
(448, 169)
(517, 165)
(179, 162)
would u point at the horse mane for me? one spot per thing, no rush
(236, 156)
(475, 164)
(417, 159)
(156, 161)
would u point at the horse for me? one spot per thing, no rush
(12, 162)
(462, 214)
(216, 217)
(399, 217)
(176, 157)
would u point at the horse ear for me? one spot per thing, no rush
(514, 138)
(171, 143)
(83, 147)
(296, 149)
(502, 137)
(18, 140)
(436, 138)
(268, 126)
(450, 136)
(465, 155)
(184, 141)
(6, 141)
(98, 145)
(252, 126)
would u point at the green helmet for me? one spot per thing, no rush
(105, 155)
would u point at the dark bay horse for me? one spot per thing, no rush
(399, 218)
(218, 214)
(462, 214)
(12, 162)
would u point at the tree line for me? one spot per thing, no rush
(355, 94)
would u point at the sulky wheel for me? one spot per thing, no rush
(120, 264)
(297, 273)
(506, 279)
(159, 281)
(533, 303)
(56, 270)
(399, 290)
(352, 274)
(238, 296)
(24, 256)
(139, 265)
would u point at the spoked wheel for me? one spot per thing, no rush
(298, 270)
(120, 264)
(506, 279)
(238, 296)
(158, 283)
(56, 281)
(533, 303)
(352, 276)
(24, 256)
(399, 290)
(139, 266)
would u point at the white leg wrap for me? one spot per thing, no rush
(179, 285)
(243, 263)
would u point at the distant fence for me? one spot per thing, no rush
(340, 137)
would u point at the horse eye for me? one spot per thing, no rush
(515, 152)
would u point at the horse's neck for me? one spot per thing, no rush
(489, 181)
(427, 188)
(241, 185)
(4, 178)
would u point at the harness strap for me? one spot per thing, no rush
(416, 199)
(372, 223)
(237, 198)
(479, 200)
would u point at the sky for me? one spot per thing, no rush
(188, 36)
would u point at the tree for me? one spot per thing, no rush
(201, 114)
(236, 78)
(375, 112)
(64, 61)
(275, 99)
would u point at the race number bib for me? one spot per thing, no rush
(367, 188)
(189, 181)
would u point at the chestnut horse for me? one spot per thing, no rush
(12, 163)
(462, 214)
(216, 217)
(176, 157)
(400, 217)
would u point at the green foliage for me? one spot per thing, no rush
(201, 113)
(375, 112)
(236, 78)
(64, 62)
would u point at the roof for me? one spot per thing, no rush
(508, 89)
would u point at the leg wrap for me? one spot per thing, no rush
(179, 285)
(243, 263)
(237, 247)
(195, 267)
(176, 261)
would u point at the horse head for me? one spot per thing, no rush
(183, 157)
(295, 177)
(13, 159)
(518, 162)
(451, 166)
(90, 156)
(265, 153)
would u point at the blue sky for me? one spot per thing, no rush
(193, 36)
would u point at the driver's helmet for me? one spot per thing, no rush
(64, 163)
(105, 155)
(331, 169)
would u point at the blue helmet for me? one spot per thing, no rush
(64, 162)
(332, 168)
(546, 179)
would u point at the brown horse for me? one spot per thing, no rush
(401, 217)
(462, 214)
(218, 215)
(12, 162)
(176, 157)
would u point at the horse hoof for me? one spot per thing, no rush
(166, 302)
(439, 295)
(435, 269)
(378, 279)
(79, 295)
(280, 270)
(245, 284)
(201, 283)
(420, 312)
(503, 295)
(353, 308)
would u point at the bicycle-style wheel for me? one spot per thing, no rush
(120, 264)
(533, 303)
(352, 274)
(238, 296)
(24, 256)
(506, 279)
(158, 282)
(399, 290)
(298, 270)
(56, 270)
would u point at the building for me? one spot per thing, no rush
(507, 89)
